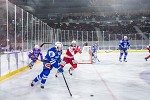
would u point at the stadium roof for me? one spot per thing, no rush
(47, 8)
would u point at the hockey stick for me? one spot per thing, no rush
(66, 84)
(95, 56)
(97, 59)
(45, 43)
(50, 43)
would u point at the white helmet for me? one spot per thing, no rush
(125, 37)
(73, 42)
(58, 45)
(36, 47)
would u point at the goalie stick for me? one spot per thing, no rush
(50, 43)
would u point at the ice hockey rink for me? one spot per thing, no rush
(108, 79)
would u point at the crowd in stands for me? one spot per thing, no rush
(111, 24)
(81, 25)
(11, 28)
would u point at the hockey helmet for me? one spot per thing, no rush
(85, 44)
(73, 43)
(96, 44)
(125, 37)
(36, 47)
(58, 45)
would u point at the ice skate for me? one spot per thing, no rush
(56, 75)
(146, 59)
(42, 86)
(70, 71)
(125, 60)
(32, 84)
(120, 60)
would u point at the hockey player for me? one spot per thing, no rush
(69, 57)
(50, 61)
(85, 44)
(148, 48)
(123, 47)
(34, 54)
(94, 52)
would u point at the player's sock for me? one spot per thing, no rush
(37, 78)
(31, 65)
(125, 56)
(121, 54)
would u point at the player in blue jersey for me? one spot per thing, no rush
(34, 54)
(94, 52)
(51, 60)
(123, 47)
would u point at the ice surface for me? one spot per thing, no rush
(107, 80)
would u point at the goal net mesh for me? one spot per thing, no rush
(85, 57)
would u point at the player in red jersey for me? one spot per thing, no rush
(148, 48)
(69, 57)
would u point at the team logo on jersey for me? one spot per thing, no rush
(48, 65)
(51, 54)
(59, 53)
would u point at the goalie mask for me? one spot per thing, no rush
(59, 46)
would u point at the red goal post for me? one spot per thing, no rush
(85, 57)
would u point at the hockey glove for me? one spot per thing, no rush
(78, 49)
(60, 70)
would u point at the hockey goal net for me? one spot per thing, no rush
(85, 57)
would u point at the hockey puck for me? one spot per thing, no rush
(91, 95)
